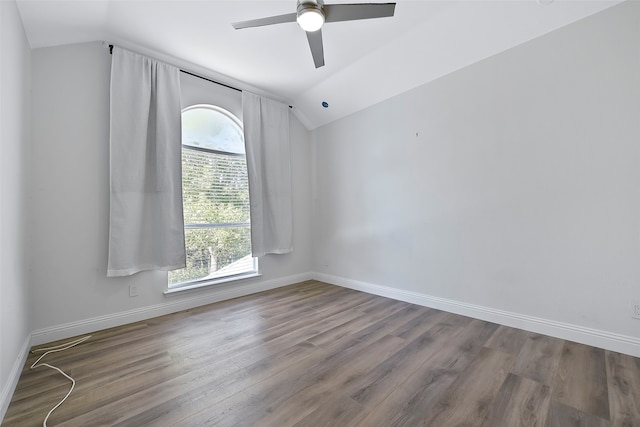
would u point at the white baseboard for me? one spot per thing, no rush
(594, 337)
(597, 338)
(14, 376)
(93, 324)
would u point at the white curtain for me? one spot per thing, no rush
(266, 138)
(146, 226)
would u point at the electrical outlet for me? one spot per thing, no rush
(133, 291)
(635, 310)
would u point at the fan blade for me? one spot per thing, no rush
(317, 51)
(279, 19)
(353, 12)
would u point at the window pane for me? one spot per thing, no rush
(208, 127)
(215, 188)
(215, 197)
(214, 253)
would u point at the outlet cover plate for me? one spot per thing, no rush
(133, 291)
(635, 310)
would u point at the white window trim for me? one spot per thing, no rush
(204, 284)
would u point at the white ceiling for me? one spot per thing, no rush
(366, 61)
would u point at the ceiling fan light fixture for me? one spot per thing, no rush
(310, 16)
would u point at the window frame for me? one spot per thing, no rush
(205, 282)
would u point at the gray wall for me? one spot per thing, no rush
(70, 189)
(512, 184)
(14, 148)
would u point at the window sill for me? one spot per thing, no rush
(206, 284)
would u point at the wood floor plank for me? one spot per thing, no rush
(377, 305)
(509, 340)
(87, 383)
(413, 329)
(464, 341)
(455, 341)
(317, 354)
(293, 402)
(467, 400)
(412, 400)
(623, 375)
(282, 335)
(581, 380)
(521, 402)
(339, 411)
(226, 388)
(375, 386)
(255, 304)
(118, 406)
(383, 325)
(565, 416)
(348, 329)
(294, 310)
(371, 388)
(324, 385)
(252, 406)
(539, 358)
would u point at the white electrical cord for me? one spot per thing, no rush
(49, 350)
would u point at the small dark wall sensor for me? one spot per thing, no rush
(325, 104)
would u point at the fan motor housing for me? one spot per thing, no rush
(309, 15)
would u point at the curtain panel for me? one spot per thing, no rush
(266, 138)
(146, 226)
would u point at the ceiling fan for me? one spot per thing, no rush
(312, 14)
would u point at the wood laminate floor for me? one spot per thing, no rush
(314, 354)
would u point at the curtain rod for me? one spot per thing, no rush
(209, 80)
(198, 76)
(194, 75)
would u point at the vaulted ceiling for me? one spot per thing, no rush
(366, 61)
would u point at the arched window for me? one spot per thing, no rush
(215, 197)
